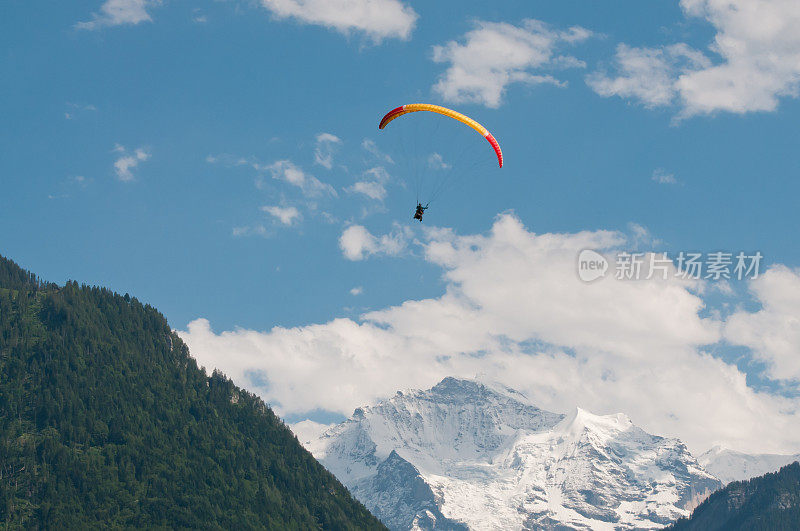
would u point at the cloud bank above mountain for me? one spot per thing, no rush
(514, 310)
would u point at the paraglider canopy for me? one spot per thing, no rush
(416, 107)
(435, 153)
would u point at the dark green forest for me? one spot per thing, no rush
(770, 502)
(106, 421)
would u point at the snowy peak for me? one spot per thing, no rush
(582, 431)
(454, 420)
(729, 465)
(460, 396)
(581, 420)
(466, 453)
(461, 389)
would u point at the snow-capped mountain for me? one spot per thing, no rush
(730, 465)
(470, 455)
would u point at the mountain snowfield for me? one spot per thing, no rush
(466, 454)
(729, 465)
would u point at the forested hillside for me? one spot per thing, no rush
(105, 420)
(769, 502)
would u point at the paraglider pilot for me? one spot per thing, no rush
(420, 210)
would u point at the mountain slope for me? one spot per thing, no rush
(482, 456)
(105, 420)
(730, 465)
(769, 502)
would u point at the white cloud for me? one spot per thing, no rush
(357, 243)
(759, 45)
(757, 51)
(233, 160)
(436, 162)
(377, 19)
(371, 189)
(662, 176)
(373, 150)
(773, 332)
(358, 290)
(119, 12)
(378, 174)
(374, 185)
(649, 75)
(256, 230)
(287, 171)
(75, 109)
(198, 17)
(323, 152)
(496, 54)
(286, 215)
(308, 430)
(127, 162)
(515, 311)
(641, 237)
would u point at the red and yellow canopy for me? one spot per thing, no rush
(416, 107)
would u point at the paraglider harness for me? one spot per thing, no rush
(420, 211)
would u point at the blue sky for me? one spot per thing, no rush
(174, 151)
